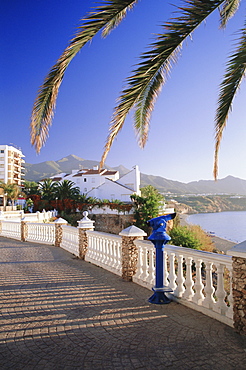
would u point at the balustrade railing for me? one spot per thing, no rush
(41, 233)
(200, 280)
(11, 229)
(70, 239)
(104, 250)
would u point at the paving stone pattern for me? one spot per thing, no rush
(59, 312)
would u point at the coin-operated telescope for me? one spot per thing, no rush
(159, 238)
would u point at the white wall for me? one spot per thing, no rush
(111, 190)
(132, 180)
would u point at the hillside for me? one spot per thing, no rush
(228, 185)
(204, 204)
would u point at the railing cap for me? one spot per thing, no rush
(61, 221)
(132, 231)
(239, 250)
(85, 222)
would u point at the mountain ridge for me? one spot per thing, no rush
(228, 185)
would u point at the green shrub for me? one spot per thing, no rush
(184, 237)
(146, 206)
(192, 236)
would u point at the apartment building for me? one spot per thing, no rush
(11, 165)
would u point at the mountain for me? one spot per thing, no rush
(228, 185)
(39, 171)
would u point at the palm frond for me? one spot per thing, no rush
(228, 10)
(114, 22)
(235, 72)
(109, 14)
(156, 62)
(145, 106)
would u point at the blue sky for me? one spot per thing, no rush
(181, 140)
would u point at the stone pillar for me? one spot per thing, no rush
(24, 230)
(58, 231)
(130, 251)
(238, 253)
(84, 225)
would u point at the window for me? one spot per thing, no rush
(84, 179)
(85, 190)
(1, 151)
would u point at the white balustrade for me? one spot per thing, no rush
(200, 280)
(104, 250)
(41, 233)
(11, 229)
(145, 274)
(31, 217)
(70, 239)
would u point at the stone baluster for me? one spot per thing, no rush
(83, 225)
(198, 296)
(189, 283)
(139, 271)
(130, 251)
(209, 300)
(151, 277)
(104, 246)
(180, 278)
(165, 279)
(94, 246)
(114, 256)
(145, 263)
(107, 252)
(238, 253)
(230, 296)
(220, 293)
(172, 276)
(111, 253)
(118, 257)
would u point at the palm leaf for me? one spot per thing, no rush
(153, 68)
(229, 8)
(119, 16)
(230, 85)
(104, 17)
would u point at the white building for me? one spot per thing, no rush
(11, 167)
(104, 184)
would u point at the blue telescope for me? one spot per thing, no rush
(159, 238)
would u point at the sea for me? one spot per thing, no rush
(227, 225)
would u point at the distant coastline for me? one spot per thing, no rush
(221, 244)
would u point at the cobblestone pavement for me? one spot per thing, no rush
(58, 312)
